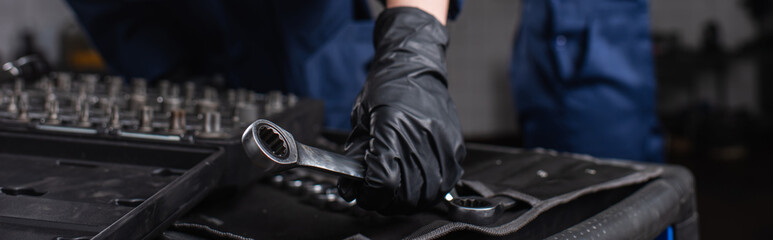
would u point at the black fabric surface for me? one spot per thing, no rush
(263, 211)
(563, 173)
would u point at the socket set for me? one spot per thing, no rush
(133, 155)
(106, 106)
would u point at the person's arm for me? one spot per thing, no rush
(437, 8)
(405, 126)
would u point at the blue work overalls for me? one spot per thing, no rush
(583, 78)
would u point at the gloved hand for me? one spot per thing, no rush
(405, 125)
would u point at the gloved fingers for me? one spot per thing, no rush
(393, 180)
(380, 185)
(431, 148)
(383, 156)
(368, 197)
(379, 188)
(409, 163)
(357, 141)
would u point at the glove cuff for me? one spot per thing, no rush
(407, 33)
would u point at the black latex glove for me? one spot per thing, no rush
(405, 125)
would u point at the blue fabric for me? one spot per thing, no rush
(583, 78)
(328, 47)
(667, 234)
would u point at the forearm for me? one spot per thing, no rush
(437, 8)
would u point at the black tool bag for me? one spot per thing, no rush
(558, 196)
(555, 191)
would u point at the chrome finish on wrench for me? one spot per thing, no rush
(478, 210)
(274, 149)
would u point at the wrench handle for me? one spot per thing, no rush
(331, 162)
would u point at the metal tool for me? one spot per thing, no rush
(146, 119)
(274, 102)
(18, 86)
(90, 81)
(171, 104)
(114, 85)
(13, 107)
(273, 149)
(83, 113)
(478, 210)
(190, 93)
(52, 116)
(138, 98)
(27, 67)
(23, 106)
(63, 81)
(139, 86)
(177, 123)
(247, 111)
(115, 117)
(211, 128)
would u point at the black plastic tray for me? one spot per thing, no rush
(63, 187)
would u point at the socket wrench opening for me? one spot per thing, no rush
(273, 141)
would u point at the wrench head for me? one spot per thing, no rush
(474, 210)
(270, 147)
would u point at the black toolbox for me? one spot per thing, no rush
(58, 185)
(94, 158)
(61, 187)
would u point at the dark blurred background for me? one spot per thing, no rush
(715, 99)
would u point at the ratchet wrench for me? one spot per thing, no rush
(274, 150)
